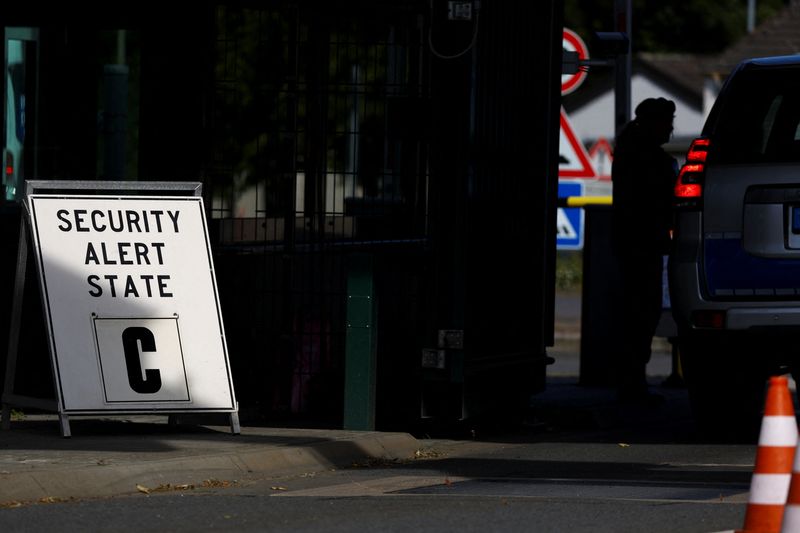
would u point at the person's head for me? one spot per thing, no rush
(655, 116)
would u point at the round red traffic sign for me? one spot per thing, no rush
(573, 43)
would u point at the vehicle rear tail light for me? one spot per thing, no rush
(698, 151)
(9, 164)
(688, 191)
(709, 318)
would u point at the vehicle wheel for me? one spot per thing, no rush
(726, 382)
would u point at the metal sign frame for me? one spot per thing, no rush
(120, 190)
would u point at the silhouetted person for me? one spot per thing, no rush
(643, 175)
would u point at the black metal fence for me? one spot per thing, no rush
(319, 148)
(320, 130)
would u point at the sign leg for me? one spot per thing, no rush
(16, 321)
(63, 421)
(235, 429)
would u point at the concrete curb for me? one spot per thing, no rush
(67, 473)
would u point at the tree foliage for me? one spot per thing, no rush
(692, 26)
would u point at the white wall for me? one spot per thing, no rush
(596, 119)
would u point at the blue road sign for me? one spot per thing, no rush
(569, 222)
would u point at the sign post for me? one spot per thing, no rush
(130, 299)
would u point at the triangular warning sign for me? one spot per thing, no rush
(573, 161)
(601, 155)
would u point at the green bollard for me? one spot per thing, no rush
(360, 345)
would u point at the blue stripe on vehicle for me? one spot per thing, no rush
(730, 270)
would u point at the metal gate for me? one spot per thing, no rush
(318, 122)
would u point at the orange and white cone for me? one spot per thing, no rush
(772, 475)
(791, 514)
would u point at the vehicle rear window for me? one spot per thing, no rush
(759, 117)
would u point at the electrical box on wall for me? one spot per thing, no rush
(459, 10)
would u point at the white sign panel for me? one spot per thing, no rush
(132, 303)
(139, 367)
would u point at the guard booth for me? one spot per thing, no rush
(380, 182)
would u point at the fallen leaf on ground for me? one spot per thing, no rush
(426, 454)
(142, 489)
(218, 483)
(10, 505)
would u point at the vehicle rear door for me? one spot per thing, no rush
(751, 209)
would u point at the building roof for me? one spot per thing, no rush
(679, 74)
(685, 73)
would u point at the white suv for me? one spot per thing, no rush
(735, 264)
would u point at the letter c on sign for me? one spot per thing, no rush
(151, 382)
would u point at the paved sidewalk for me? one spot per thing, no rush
(115, 456)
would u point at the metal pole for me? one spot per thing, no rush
(622, 93)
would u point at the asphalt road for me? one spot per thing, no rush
(530, 483)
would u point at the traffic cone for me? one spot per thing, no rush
(791, 514)
(772, 475)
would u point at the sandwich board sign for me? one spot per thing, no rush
(130, 297)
